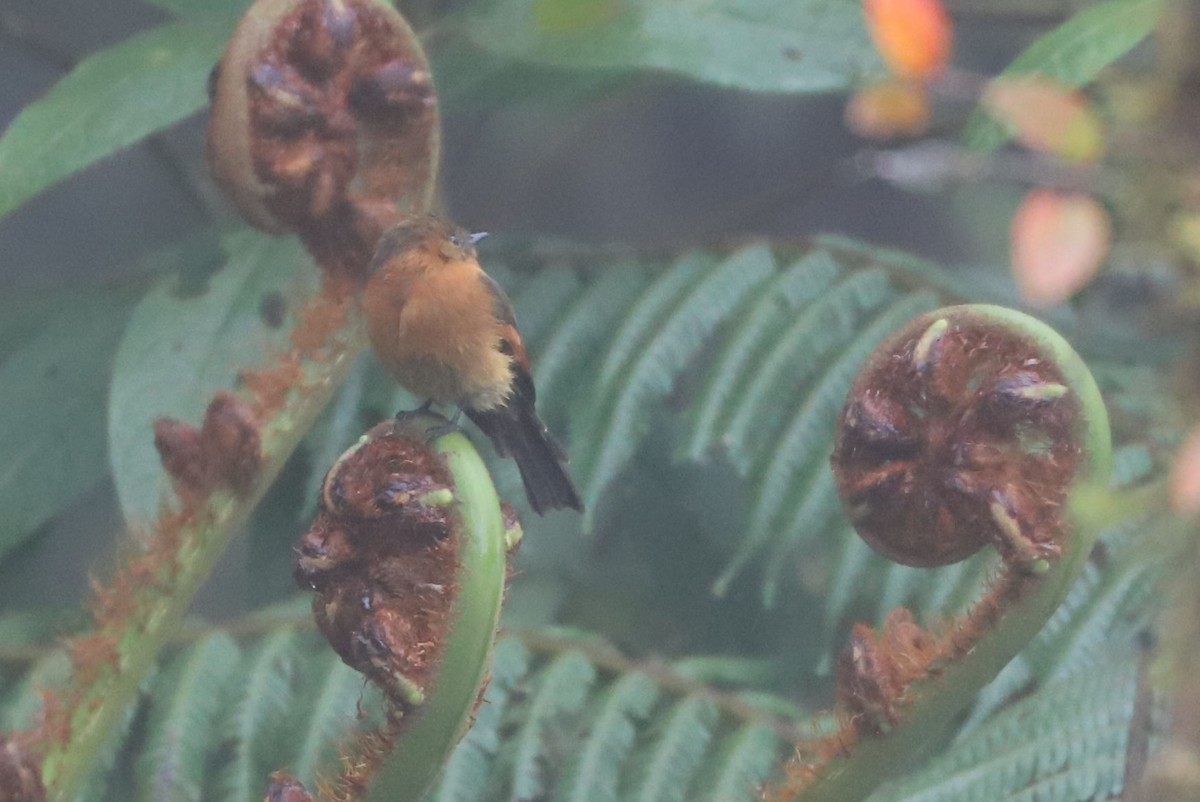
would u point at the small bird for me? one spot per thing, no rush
(446, 332)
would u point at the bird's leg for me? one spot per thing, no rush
(424, 409)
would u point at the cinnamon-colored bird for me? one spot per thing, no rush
(445, 330)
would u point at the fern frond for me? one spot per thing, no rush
(618, 421)
(558, 693)
(255, 717)
(568, 719)
(819, 330)
(331, 701)
(1066, 743)
(188, 698)
(675, 751)
(579, 335)
(655, 304)
(766, 312)
(592, 773)
(745, 760)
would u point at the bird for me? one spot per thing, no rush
(446, 331)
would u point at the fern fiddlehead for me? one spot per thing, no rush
(407, 559)
(970, 425)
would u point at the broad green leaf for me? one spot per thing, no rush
(1073, 53)
(760, 45)
(471, 79)
(179, 349)
(197, 8)
(109, 101)
(52, 390)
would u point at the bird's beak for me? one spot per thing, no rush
(474, 238)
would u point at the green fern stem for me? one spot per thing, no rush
(439, 723)
(158, 607)
(998, 627)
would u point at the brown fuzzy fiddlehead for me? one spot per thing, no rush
(959, 432)
(406, 558)
(322, 119)
(971, 425)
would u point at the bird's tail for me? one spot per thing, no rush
(517, 431)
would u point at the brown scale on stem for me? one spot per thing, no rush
(958, 433)
(876, 669)
(226, 451)
(321, 121)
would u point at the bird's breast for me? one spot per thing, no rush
(437, 335)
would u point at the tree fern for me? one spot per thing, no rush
(613, 426)
(673, 752)
(1065, 743)
(557, 692)
(187, 702)
(770, 307)
(574, 721)
(593, 772)
(774, 339)
(333, 689)
(794, 355)
(253, 720)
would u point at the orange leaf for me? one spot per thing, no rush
(889, 108)
(1059, 240)
(1185, 476)
(913, 36)
(1046, 116)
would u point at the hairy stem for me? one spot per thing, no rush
(198, 533)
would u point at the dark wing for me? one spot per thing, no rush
(515, 428)
(510, 337)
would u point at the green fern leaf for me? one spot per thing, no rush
(744, 763)
(579, 335)
(579, 722)
(254, 721)
(1066, 743)
(188, 698)
(818, 331)
(655, 304)
(332, 705)
(766, 313)
(559, 693)
(675, 752)
(622, 413)
(593, 772)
